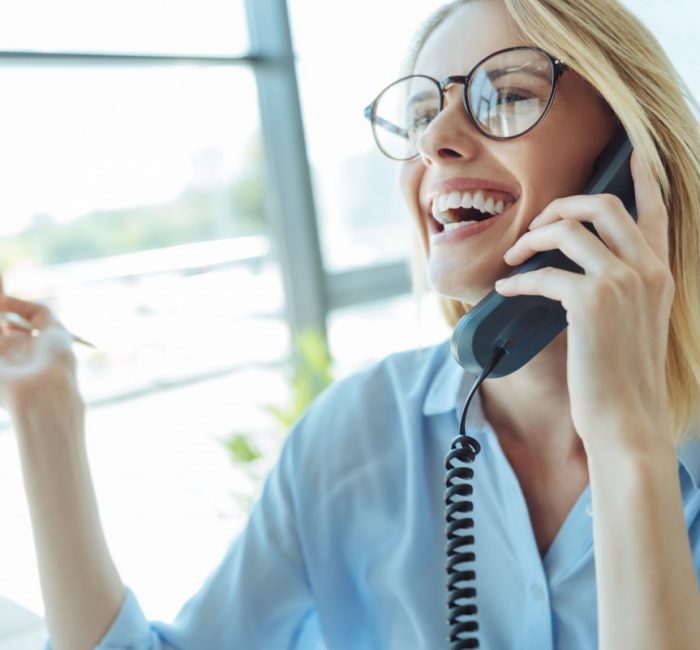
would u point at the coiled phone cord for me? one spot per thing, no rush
(464, 449)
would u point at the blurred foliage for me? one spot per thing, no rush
(311, 375)
(196, 215)
(240, 449)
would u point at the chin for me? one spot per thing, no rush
(457, 285)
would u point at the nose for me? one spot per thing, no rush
(450, 134)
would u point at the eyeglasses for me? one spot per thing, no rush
(505, 95)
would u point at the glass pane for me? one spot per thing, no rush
(135, 210)
(361, 335)
(216, 27)
(361, 219)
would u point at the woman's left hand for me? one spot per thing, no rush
(618, 312)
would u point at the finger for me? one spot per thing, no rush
(574, 240)
(38, 315)
(652, 216)
(549, 282)
(612, 222)
(9, 327)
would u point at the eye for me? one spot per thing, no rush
(509, 95)
(421, 118)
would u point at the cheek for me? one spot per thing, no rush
(409, 181)
(562, 172)
(557, 163)
(410, 176)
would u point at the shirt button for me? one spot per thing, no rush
(589, 509)
(536, 591)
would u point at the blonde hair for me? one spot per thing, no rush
(611, 49)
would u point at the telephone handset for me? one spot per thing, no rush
(524, 325)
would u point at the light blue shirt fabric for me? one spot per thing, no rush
(345, 549)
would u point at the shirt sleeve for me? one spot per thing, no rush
(258, 596)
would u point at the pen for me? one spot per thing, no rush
(17, 321)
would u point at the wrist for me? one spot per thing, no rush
(630, 437)
(641, 457)
(51, 408)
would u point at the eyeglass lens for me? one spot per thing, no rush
(508, 94)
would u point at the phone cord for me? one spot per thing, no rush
(464, 449)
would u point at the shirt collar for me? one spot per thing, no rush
(446, 386)
(689, 457)
(448, 390)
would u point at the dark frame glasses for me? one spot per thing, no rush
(370, 112)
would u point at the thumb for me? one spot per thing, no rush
(4, 326)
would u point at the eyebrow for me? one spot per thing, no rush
(535, 72)
(419, 97)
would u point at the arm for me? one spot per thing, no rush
(648, 596)
(80, 584)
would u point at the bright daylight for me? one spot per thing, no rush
(246, 396)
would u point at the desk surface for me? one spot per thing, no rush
(20, 629)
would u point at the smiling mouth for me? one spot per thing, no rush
(460, 215)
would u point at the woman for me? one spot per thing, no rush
(586, 490)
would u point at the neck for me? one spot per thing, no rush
(529, 409)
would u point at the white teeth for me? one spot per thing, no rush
(454, 200)
(443, 203)
(458, 224)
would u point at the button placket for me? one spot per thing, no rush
(537, 591)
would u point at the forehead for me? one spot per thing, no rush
(467, 35)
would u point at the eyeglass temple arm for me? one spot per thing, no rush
(389, 126)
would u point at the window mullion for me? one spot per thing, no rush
(288, 191)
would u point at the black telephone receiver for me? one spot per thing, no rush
(523, 325)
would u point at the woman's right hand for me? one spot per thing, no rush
(37, 370)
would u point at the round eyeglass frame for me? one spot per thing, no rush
(558, 67)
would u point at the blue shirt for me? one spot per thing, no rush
(345, 549)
